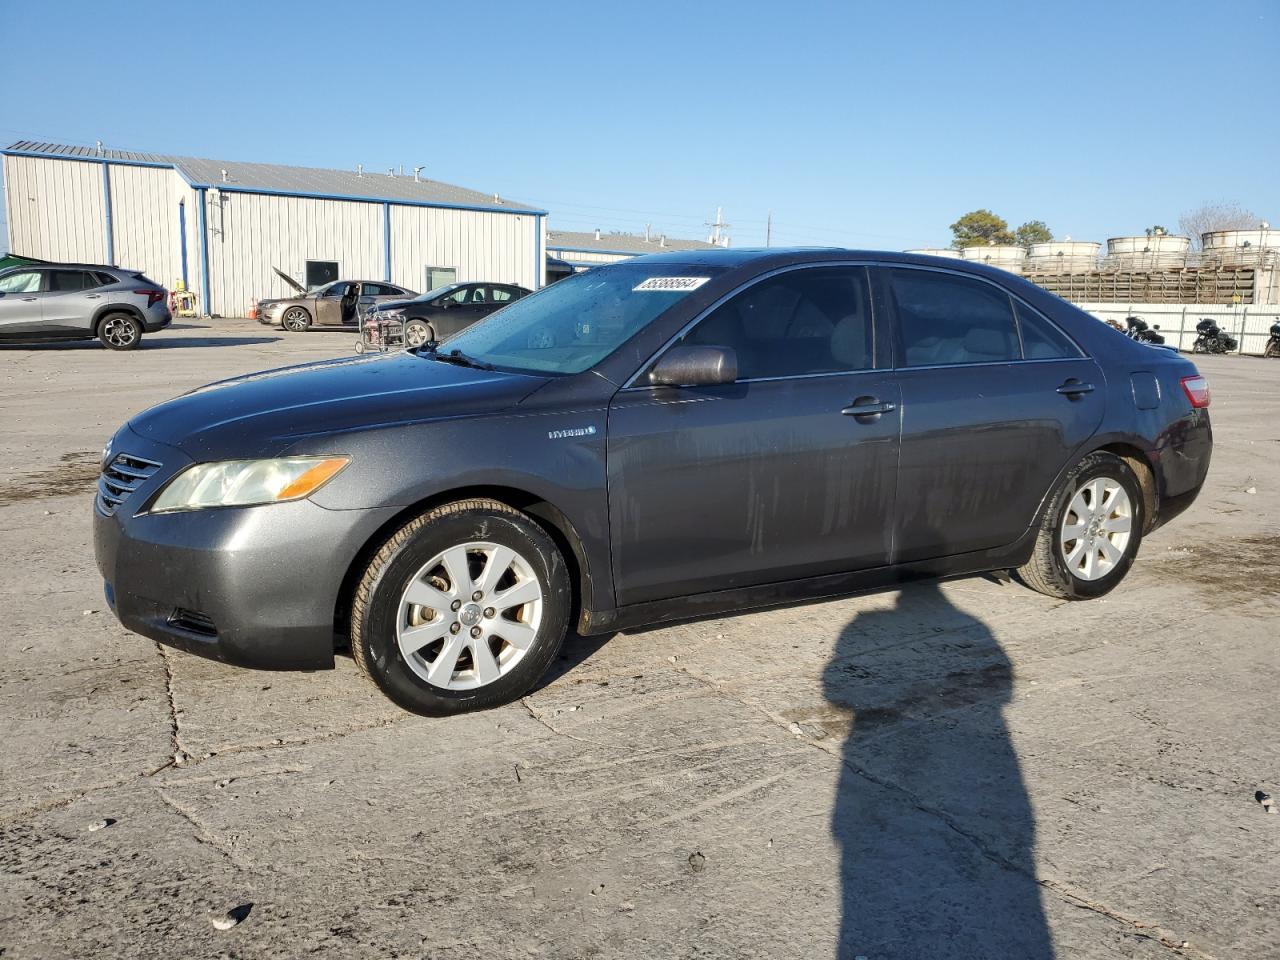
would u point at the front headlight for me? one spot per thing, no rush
(243, 483)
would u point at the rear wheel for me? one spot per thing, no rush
(1273, 349)
(296, 320)
(416, 333)
(1090, 533)
(120, 331)
(463, 608)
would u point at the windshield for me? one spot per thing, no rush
(437, 293)
(577, 322)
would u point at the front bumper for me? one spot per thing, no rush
(251, 586)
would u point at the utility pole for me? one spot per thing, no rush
(717, 237)
(768, 229)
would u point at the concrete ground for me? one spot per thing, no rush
(966, 770)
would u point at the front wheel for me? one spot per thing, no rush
(463, 608)
(1273, 349)
(1090, 533)
(119, 331)
(296, 320)
(416, 333)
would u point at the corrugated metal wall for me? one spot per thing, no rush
(250, 233)
(503, 247)
(144, 221)
(55, 209)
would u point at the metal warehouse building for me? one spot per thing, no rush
(222, 226)
(585, 250)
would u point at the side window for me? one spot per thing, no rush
(461, 295)
(946, 318)
(28, 282)
(802, 322)
(71, 281)
(1041, 340)
(337, 289)
(105, 279)
(374, 290)
(500, 295)
(478, 295)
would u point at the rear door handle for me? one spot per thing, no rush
(1073, 388)
(28, 299)
(868, 407)
(93, 296)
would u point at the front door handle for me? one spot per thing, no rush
(1074, 388)
(93, 296)
(868, 407)
(28, 299)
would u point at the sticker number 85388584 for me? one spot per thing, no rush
(677, 284)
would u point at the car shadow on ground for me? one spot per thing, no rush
(931, 816)
(150, 342)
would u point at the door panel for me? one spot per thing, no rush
(71, 299)
(980, 446)
(718, 487)
(326, 311)
(21, 303)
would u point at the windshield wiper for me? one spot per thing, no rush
(462, 360)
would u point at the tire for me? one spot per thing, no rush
(296, 320)
(1273, 349)
(1056, 567)
(120, 331)
(416, 333)
(426, 658)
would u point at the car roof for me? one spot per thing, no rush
(73, 266)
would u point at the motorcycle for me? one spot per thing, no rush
(1273, 345)
(1138, 330)
(1211, 339)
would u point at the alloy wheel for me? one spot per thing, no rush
(1096, 528)
(120, 332)
(295, 320)
(469, 615)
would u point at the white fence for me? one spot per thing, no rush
(1249, 324)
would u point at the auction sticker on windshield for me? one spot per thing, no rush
(672, 283)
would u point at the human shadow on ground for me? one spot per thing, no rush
(934, 825)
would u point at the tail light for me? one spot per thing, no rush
(153, 296)
(1197, 389)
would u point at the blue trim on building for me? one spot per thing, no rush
(204, 253)
(539, 259)
(386, 242)
(182, 241)
(106, 214)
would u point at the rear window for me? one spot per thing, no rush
(1041, 340)
(143, 278)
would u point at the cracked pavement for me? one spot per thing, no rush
(964, 770)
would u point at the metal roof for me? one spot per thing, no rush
(302, 181)
(628, 243)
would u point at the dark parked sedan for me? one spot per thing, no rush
(667, 437)
(445, 311)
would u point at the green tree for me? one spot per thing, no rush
(1033, 231)
(979, 228)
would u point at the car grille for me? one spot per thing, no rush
(120, 478)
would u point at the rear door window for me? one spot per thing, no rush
(945, 318)
(71, 281)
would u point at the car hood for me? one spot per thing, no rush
(383, 305)
(263, 414)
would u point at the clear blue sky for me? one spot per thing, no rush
(862, 124)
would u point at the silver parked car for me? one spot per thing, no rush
(337, 304)
(80, 301)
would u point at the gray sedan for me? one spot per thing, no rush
(667, 437)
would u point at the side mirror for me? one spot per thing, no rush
(687, 365)
(1155, 326)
